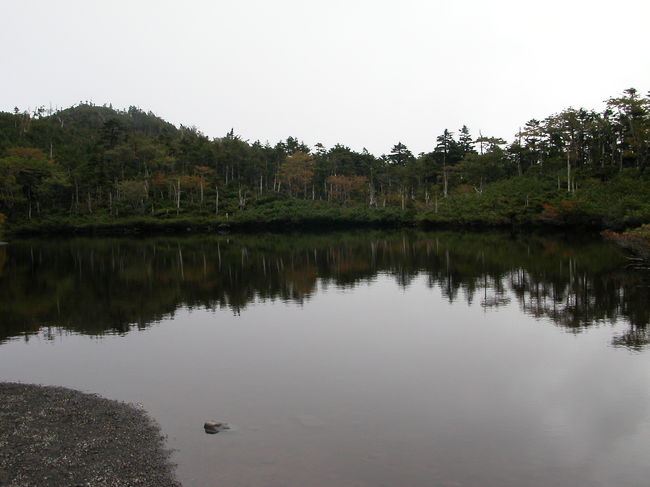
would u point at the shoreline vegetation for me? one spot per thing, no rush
(93, 169)
(636, 240)
(54, 436)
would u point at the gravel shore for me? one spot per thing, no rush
(52, 436)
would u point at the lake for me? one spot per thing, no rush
(350, 359)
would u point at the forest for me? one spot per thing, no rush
(92, 167)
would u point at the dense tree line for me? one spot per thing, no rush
(95, 160)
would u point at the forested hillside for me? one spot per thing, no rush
(94, 166)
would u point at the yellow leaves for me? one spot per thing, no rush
(297, 171)
(190, 181)
(203, 170)
(465, 189)
(133, 191)
(341, 187)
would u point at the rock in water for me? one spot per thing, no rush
(213, 427)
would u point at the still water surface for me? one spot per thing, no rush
(350, 359)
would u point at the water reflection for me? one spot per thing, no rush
(97, 286)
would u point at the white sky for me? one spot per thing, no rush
(360, 72)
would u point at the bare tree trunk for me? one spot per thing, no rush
(568, 172)
(372, 198)
(178, 197)
(242, 200)
(216, 201)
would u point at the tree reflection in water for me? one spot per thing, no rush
(97, 286)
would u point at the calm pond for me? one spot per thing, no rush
(350, 359)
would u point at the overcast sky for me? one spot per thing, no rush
(360, 72)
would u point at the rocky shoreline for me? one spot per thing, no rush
(53, 436)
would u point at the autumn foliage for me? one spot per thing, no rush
(637, 239)
(297, 172)
(27, 153)
(343, 188)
